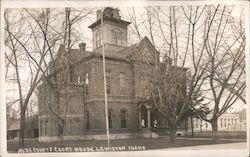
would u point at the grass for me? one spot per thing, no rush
(148, 144)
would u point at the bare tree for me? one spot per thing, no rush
(225, 50)
(183, 41)
(37, 39)
(58, 79)
(17, 44)
(171, 93)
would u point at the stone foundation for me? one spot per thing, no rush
(148, 134)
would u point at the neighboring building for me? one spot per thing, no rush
(31, 127)
(127, 76)
(226, 122)
(13, 126)
(243, 119)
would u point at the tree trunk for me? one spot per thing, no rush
(22, 128)
(201, 126)
(215, 129)
(192, 126)
(173, 129)
(61, 125)
(186, 126)
(172, 134)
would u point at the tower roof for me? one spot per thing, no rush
(109, 14)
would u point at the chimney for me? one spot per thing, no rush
(98, 14)
(82, 47)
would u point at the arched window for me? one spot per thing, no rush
(98, 39)
(117, 36)
(87, 120)
(123, 118)
(145, 84)
(87, 83)
(110, 118)
(108, 81)
(122, 83)
(46, 122)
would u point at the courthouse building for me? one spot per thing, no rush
(127, 72)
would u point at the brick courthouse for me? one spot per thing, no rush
(127, 71)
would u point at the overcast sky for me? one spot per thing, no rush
(87, 34)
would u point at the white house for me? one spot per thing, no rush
(226, 122)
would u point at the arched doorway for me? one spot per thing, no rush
(144, 117)
(155, 118)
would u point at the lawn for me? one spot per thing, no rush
(115, 145)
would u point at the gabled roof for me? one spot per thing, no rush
(132, 53)
(143, 51)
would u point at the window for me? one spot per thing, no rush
(87, 121)
(146, 88)
(122, 83)
(87, 83)
(110, 119)
(108, 82)
(69, 126)
(117, 36)
(98, 39)
(123, 118)
(41, 127)
(55, 127)
(71, 74)
(46, 127)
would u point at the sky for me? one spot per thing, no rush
(11, 88)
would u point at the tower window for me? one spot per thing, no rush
(98, 39)
(117, 36)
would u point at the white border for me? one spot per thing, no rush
(87, 3)
(247, 20)
(170, 152)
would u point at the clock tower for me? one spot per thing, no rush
(112, 34)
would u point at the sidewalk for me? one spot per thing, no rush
(238, 145)
(207, 138)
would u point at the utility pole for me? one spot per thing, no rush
(104, 79)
